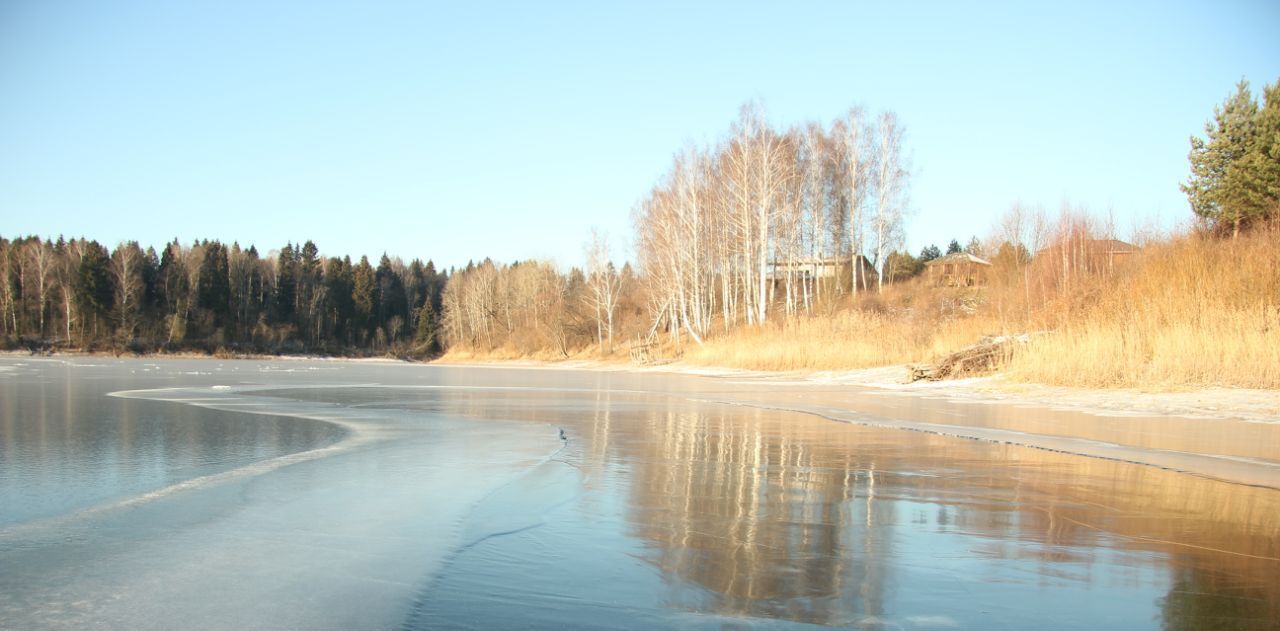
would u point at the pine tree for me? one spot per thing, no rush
(364, 288)
(93, 285)
(307, 307)
(286, 285)
(415, 286)
(153, 296)
(391, 302)
(1234, 175)
(215, 284)
(338, 287)
(175, 292)
(435, 286)
(1262, 165)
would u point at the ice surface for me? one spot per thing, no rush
(185, 494)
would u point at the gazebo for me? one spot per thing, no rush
(960, 269)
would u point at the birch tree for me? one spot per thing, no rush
(852, 134)
(126, 268)
(814, 166)
(709, 230)
(604, 288)
(890, 182)
(761, 168)
(9, 283)
(41, 262)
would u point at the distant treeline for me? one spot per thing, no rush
(210, 296)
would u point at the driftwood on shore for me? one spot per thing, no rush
(988, 355)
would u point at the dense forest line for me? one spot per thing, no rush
(211, 297)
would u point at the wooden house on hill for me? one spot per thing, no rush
(827, 269)
(960, 269)
(1078, 255)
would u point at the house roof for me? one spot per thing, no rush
(1114, 245)
(959, 257)
(1096, 246)
(830, 260)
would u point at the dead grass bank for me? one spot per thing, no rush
(1191, 311)
(848, 339)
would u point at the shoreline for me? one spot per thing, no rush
(197, 355)
(1213, 402)
(1250, 405)
(1222, 408)
(1188, 413)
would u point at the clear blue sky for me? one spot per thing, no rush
(509, 129)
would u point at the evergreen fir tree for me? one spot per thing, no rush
(1262, 164)
(215, 284)
(425, 332)
(1234, 168)
(93, 288)
(286, 285)
(338, 287)
(364, 287)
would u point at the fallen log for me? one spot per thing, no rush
(988, 355)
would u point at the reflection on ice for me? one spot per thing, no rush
(754, 514)
(447, 499)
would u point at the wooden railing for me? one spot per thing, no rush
(645, 352)
(642, 351)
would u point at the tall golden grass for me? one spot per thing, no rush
(1193, 311)
(511, 352)
(858, 337)
(1187, 312)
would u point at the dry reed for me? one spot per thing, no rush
(1191, 311)
(1188, 311)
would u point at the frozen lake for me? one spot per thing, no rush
(206, 494)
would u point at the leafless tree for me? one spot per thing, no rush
(749, 222)
(814, 161)
(8, 294)
(604, 287)
(524, 307)
(126, 267)
(854, 136)
(761, 166)
(41, 262)
(890, 187)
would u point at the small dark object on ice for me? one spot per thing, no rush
(562, 436)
